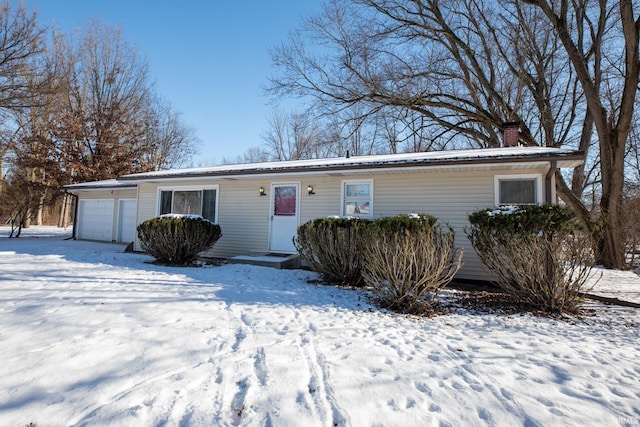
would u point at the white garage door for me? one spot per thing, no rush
(127, 221)
(95, 219)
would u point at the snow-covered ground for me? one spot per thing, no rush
(93, 336)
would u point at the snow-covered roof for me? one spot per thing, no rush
(565, 158)
(99, 185)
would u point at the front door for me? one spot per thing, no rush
(284, 217)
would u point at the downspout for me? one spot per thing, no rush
(75, 216)
(548, 189)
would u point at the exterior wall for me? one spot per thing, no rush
(449, 197)
(244, 215)
(116, 195)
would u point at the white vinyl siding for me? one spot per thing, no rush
(244, 215)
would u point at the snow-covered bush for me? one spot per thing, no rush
(407, 259)
(333, 248)
(177, 240)
(537, 253)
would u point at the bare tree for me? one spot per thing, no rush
(167, 141)
(21, 45)
(251, 155)
(608, 75)
(567, 71)
(292, 136)
(77, 109)
(102, 121)
(36, 172)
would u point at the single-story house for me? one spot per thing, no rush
(259, 206)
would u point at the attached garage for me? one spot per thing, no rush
(106, 211)
(95, 219)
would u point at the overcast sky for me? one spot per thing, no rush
(208, 58)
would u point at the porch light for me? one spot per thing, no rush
(310, 190)
(261, 191)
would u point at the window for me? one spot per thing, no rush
(189, 202)
(518, 189)
(284, 203)
(357, 198)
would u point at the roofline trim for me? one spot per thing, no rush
(80, 187)
(573, 156)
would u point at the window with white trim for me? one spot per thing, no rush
(189, 201)
(357, 198)
(518, 189)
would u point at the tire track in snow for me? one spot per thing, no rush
(173, 401)
(260, 366)
(319, 386)
(244, 389)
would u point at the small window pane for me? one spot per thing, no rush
(357, 190)
(518, 191)
(356, 208)
(187, 202)
(209, 204)
(285, 201)
(165, 202)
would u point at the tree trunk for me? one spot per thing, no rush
(62, 222)
(40, 212)
(610, 241)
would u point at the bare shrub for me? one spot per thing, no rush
(536, 253)
(332, 247)
(177, 240)
(407, 260)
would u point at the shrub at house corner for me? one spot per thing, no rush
(537, 253)
(177, 240)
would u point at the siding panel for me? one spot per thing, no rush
(244, 215)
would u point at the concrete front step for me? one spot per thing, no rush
(281, 261)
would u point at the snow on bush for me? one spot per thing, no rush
(333, 248)
(407, 260)
(177, 239)
(537, 253)
(404, 259)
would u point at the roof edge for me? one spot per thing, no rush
(572, 156)
(111, 184)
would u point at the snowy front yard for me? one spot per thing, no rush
(93, 336)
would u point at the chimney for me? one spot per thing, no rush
(510, 133)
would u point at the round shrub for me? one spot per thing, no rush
(407, 260)
(333, 248)
(177, 240)
(537, 253)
